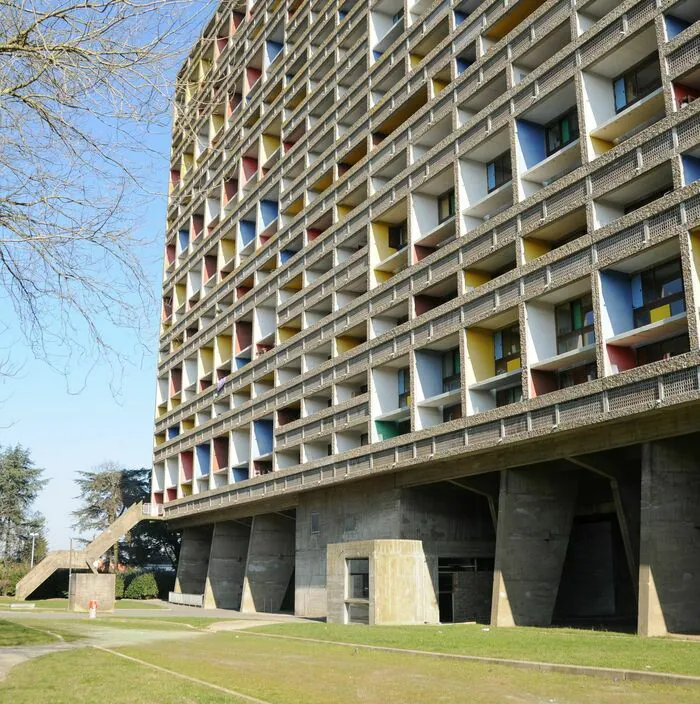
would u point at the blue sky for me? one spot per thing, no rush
(74, 423)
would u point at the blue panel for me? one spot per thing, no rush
(377, 54)
(184, 238)
(460, 17)
(620, 95)
(247, 231)
(674, 26)
(269, 211)
(636, 288)
(531, 138)
(617, 300)
(462, 65)
(342, 14)
(273, 49)
(173, 432)
(241, 362)
(240, 474)
(262, 429)
(286, 255)
(203, 459)
(497, 345)
(691, 168)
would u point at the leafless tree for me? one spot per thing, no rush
(83, 85)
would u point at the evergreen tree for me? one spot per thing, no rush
(20, 484)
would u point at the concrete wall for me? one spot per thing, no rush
(400, 585)
(85, 586)
(270, 564)
(359, 511)
(536, 510)
(193, 562)
(669, 571)
(227, 560)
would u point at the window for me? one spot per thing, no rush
(498, 172)
(451, 366)
(315, 524)
(561, 132)
(446, 205)
(663, 350)
(398, 236)
(657, 293)
(506, 349)
(451, 413)
(364, 439)
(397, 17)
(358, 578)
(577, 375)
(574, 324)
(404, 382)
(637, 83)
(504, 397)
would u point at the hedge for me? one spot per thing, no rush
(143, 586)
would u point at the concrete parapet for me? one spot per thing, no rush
(86, 586)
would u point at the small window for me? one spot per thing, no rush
(498, 172)
(574, 324)
(637, 83)
(577, 375)
(404, 387)
(397, 17)
(506, 349)
(451, 413)
(451, 368)
(358, 578)
(364, 439)
(398, 236)
(663, 350)
(562, 131)
(504, 397)
(315, 524)
(446, 205)
(658, 293)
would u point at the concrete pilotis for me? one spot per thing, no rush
(227, 559)
(535, 513)
(194, 560)
(669, 569)
(270, 563)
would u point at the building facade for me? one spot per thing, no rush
(431, 288)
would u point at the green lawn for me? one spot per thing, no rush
(558, 645)
(138, 604)
(85, 676)
(52, 604)
(13, 634)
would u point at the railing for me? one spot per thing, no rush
(152, 510)
(186, 599)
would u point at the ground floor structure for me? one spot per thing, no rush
(606, 537)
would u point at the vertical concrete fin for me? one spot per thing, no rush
(193, 562)
(227, 559)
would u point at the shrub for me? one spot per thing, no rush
(10, 574)
(119, 586)
(143, 586)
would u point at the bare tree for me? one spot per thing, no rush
(83, 84)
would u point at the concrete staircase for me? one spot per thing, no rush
(81, 560)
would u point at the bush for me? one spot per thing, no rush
(10, 574)
(119, 586)
(142, 586)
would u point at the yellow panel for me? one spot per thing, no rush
(206, 357)
(296, 207)
(224, 346)
(438, 86)
(695, 253)
(343, 210)
(480, 354)
(513, 364)
(270, 143)
(474, 278)
(534, 248)
(187, 424)
(600, 146)
(295, 284)
(380, 240)
(415, 60)
(381, 276)
(513, 18)
(286, 333)
(228, 249)
(345, 344)
(660, 313)
(186, 490)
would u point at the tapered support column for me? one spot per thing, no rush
(669, 564)
(193, 562)
(535, 513)
(270, 564)
(229, 550)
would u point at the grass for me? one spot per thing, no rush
(48, 604)
(15, 634)
(557, 645)
(85, 676)
(137, 604)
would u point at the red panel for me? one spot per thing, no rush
(623, 358)
(187, 463)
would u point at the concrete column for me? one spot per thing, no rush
(229, 550)
(535, 513)
(194, 560)
(669, 555)
(270, 563)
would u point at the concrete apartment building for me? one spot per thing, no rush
(430, 345)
